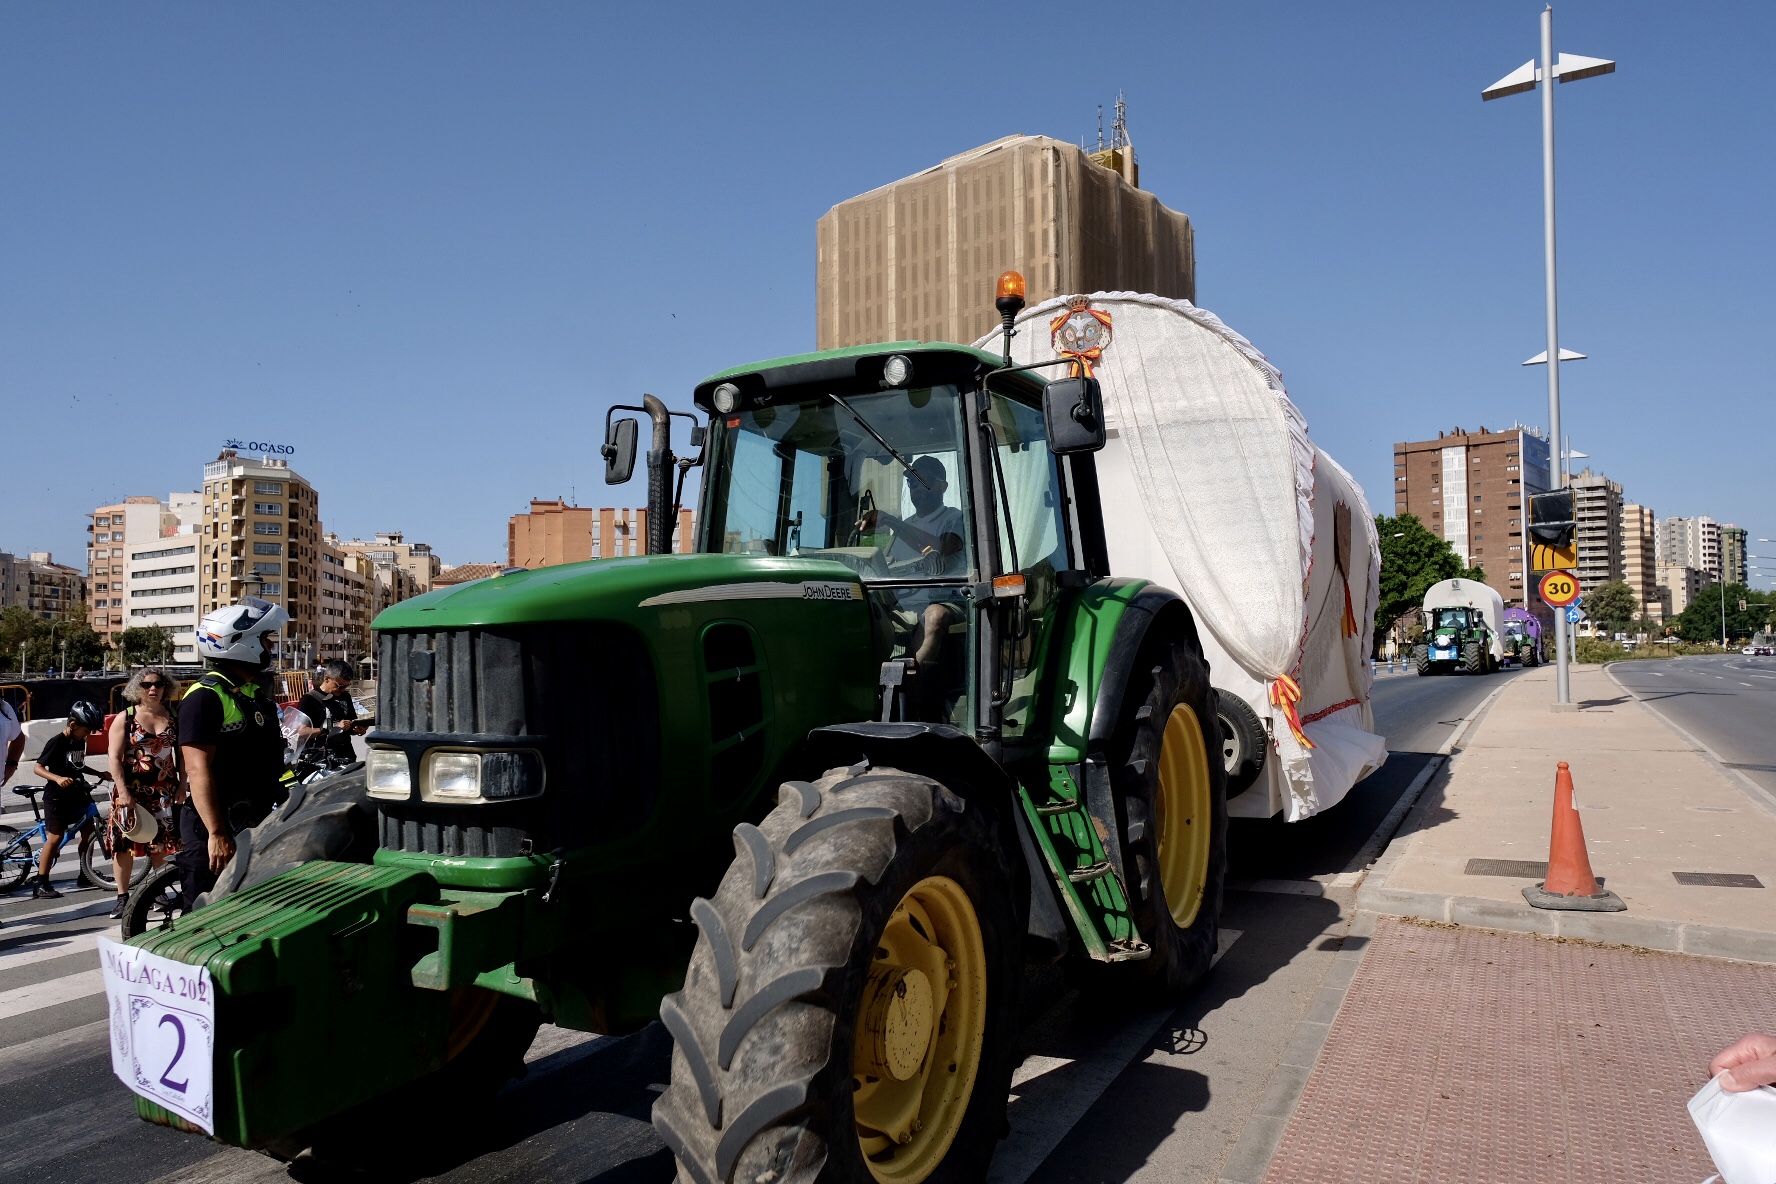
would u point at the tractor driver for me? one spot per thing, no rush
(934, 532)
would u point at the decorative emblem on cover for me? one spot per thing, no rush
(1081, 333)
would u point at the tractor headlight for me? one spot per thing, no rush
(480, 776)
(897, 370)
(386, 774)
(726, 397)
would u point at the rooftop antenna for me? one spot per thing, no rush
(1100, 127)
(1119, 130)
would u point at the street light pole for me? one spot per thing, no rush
(1567, 68)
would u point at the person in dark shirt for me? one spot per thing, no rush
(331, 713)
(229, 740)
(66, 797)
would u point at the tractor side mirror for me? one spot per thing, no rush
(1073, 413)
(619, 452)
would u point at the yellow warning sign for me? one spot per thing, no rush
(1543, 557)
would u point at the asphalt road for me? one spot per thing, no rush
(1728, 703)
(1102, 1095)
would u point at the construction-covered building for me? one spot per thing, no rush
(917, 259)
(1468, 488)
(1735, 565)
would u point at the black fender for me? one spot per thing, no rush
(952, 757)
(1154, 616)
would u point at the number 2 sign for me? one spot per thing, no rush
(163, 1029)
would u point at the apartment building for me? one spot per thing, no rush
(112, 528)
(390, 551)
(261, 536)
(1468, 488)
(552, 532)
(346, 603)
(918, 258)
(40, 585)
(1735, 565)
(1597, 509)
(1640, 562)
(161, 589)
(1691, 542)
(1678, 586)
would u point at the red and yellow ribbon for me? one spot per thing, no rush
(1082, 358)
(1285, 694)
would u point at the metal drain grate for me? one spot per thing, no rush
(1718, 879)
(1517, 869)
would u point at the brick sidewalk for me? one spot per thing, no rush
(1467, 1055)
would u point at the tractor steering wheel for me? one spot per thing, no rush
(866, 505)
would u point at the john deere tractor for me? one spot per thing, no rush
(1455, 639)
(813, 796)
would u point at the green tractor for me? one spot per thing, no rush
(814, 796)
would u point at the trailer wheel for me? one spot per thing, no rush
(1172, 809)
(847, 1014)
(1474, 658)
(1421, 659)
(1245, 745)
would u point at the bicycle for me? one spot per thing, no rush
(18, 860)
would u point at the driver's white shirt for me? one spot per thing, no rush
(936, 523)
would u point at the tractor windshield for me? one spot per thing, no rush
(806, 477)
(1451, 618)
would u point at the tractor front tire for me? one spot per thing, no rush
(1244, 743)
(847, 1014)
(1421, 659)
(1473, 658)
(1171, 808)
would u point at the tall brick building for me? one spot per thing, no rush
(553, 532)
(1468, 487)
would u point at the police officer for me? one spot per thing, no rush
(229, 740)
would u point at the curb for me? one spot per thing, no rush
(1675, 937)
(1759, 795)
(1251, 1154)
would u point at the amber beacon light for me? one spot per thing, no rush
(1009, 300)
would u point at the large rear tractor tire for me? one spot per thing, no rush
(1244, 743)
(1474, 658)
(156, 901)
(1421, 659)
(847, 1014)
(1171, 809)
(332, 819)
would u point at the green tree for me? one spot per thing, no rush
(1701, 621)
(142, 644)
(1612, 606)
(18, 626)
(1412, 559)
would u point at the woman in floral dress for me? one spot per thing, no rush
(144, 748)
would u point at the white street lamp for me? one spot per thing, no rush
(1567, 68)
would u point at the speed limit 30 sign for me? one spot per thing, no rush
(1559, 588)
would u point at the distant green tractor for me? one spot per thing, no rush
(1456, 639)
(813, 795)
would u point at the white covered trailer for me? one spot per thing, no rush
(1470, 594)
(1211, 487)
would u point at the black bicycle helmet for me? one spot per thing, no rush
(87, 715)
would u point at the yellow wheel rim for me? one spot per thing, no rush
(1181, 815)
(921, 1023)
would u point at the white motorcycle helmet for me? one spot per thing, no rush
(232, 634)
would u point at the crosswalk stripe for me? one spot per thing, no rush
(75, 944)
(38, 996)
(93, 907)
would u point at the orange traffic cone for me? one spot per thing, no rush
(1570, 883)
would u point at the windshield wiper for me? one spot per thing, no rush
(892, 451)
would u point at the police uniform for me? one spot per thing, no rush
(241, 722)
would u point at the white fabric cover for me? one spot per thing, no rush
(1471, 594)
(1237, 507)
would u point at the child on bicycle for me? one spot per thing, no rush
(67, 798)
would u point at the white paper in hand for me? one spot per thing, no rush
(163, 1029)
(1740, 1131)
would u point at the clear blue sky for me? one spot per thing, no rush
(428, 243)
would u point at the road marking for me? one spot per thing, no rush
(1746, 684)
(75, 944)
(38, 996)
(57, 916)
(1046, 1104)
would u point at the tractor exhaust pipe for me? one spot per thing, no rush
(659, 461)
